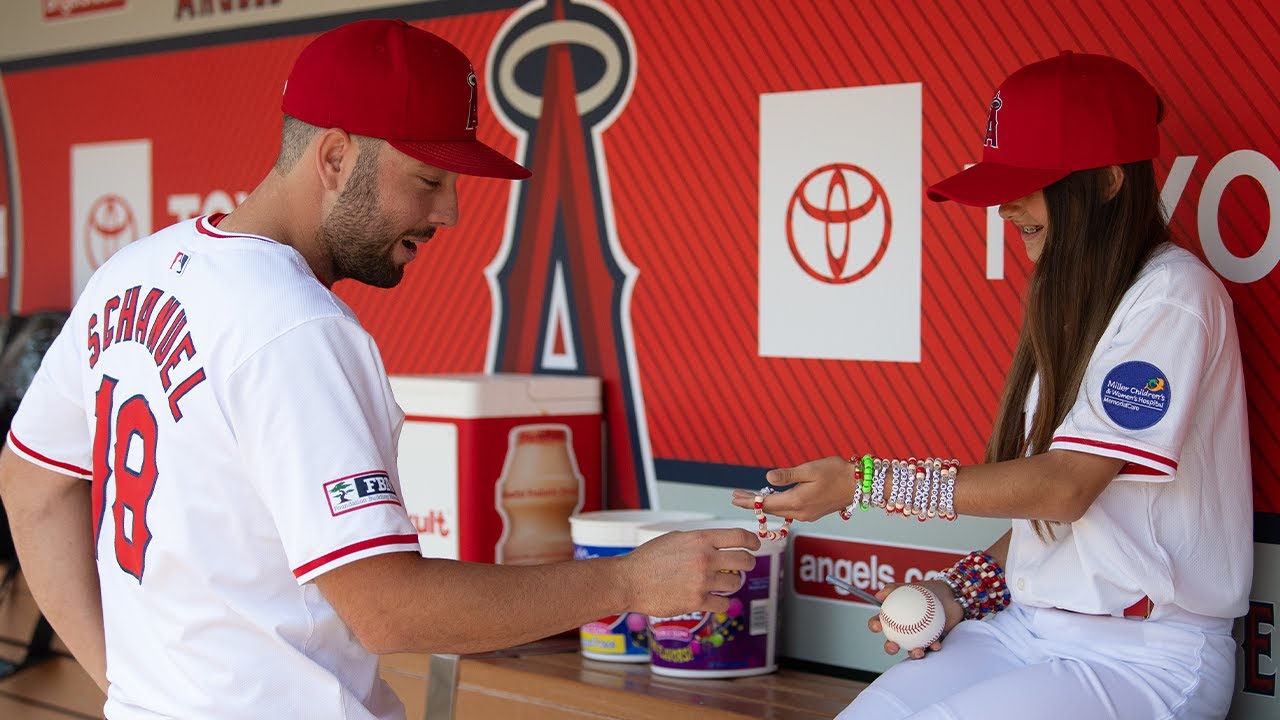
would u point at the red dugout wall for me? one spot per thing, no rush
(680, 162)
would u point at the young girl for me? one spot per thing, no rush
(1120, 448)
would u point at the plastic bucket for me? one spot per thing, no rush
(737, 643)
(606, 533)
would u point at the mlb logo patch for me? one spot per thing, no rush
(358, 491)
(179, 263)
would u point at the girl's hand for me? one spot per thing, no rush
(818, 488)
(950, 606)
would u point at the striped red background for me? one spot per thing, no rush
(683, 163)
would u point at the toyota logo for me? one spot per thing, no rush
(827, 217)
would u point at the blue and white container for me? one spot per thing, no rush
(606, 533)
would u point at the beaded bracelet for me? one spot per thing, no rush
(863, 469)
(957, 592)
(923, 488)
(979, 585)
(908, 488)
(923, 482)
(766, 533)
(946, 495)
(895, 468)
(881, 468)
(868, 470)
(847, 512)
(935, 487)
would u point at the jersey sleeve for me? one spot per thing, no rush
(1139, 393)
(51, 426)
(316, 425)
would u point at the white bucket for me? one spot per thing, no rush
(606, 533)
(737, 643)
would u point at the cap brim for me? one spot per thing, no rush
(987, 184)
(465, 157)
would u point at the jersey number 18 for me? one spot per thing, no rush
(135, 427)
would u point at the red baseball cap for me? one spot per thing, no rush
(387, 79)
(1051, 118)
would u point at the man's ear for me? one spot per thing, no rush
(334, 154)
(1115, 180)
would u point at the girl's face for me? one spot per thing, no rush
(1030, 215)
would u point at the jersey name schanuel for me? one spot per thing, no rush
(125, 319)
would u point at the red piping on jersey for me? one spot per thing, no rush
(1136, 469)
(65, 466)
(1121, 448)
(206, 226)
(353, 548)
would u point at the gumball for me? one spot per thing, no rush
(735, 607)
(695, 647)
(716, 639)
(637, 622)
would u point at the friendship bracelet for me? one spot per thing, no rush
(946, 497)
(922, 489)
(858, 484)
(895, 467)
(880, 467)
(868, 471)
(958, 593)
(908, 489)
(935, 487)
(979, 585)
(765, 533)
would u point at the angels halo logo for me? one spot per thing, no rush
(109, 226)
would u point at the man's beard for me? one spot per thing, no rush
(358, 239)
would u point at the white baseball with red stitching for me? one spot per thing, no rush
(912, 617)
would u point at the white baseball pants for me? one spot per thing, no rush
(1053, 664)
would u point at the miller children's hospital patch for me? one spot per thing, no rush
(362, 490)
(1135, 395)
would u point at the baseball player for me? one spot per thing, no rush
(1120, 449)
(216, 428)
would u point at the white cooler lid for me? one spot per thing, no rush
(497, 395)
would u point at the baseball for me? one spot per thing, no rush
(912, 617)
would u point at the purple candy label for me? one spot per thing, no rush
(734, 640)
(622, 635)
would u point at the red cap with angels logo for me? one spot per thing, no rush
(1051, 118)
(387, 79)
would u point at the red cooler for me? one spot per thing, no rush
(492, 466)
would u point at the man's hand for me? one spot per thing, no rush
(818, 488)
(683, 572)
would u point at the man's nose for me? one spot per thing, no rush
(445, 212)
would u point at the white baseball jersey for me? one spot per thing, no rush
(1164, 391)
(240, 434)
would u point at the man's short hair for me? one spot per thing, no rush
(295, 135)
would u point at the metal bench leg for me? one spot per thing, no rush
(442, 687)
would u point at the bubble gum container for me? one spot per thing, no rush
(736, 643)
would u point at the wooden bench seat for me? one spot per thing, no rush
(552, 680)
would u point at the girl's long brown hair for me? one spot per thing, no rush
(1093, 250)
